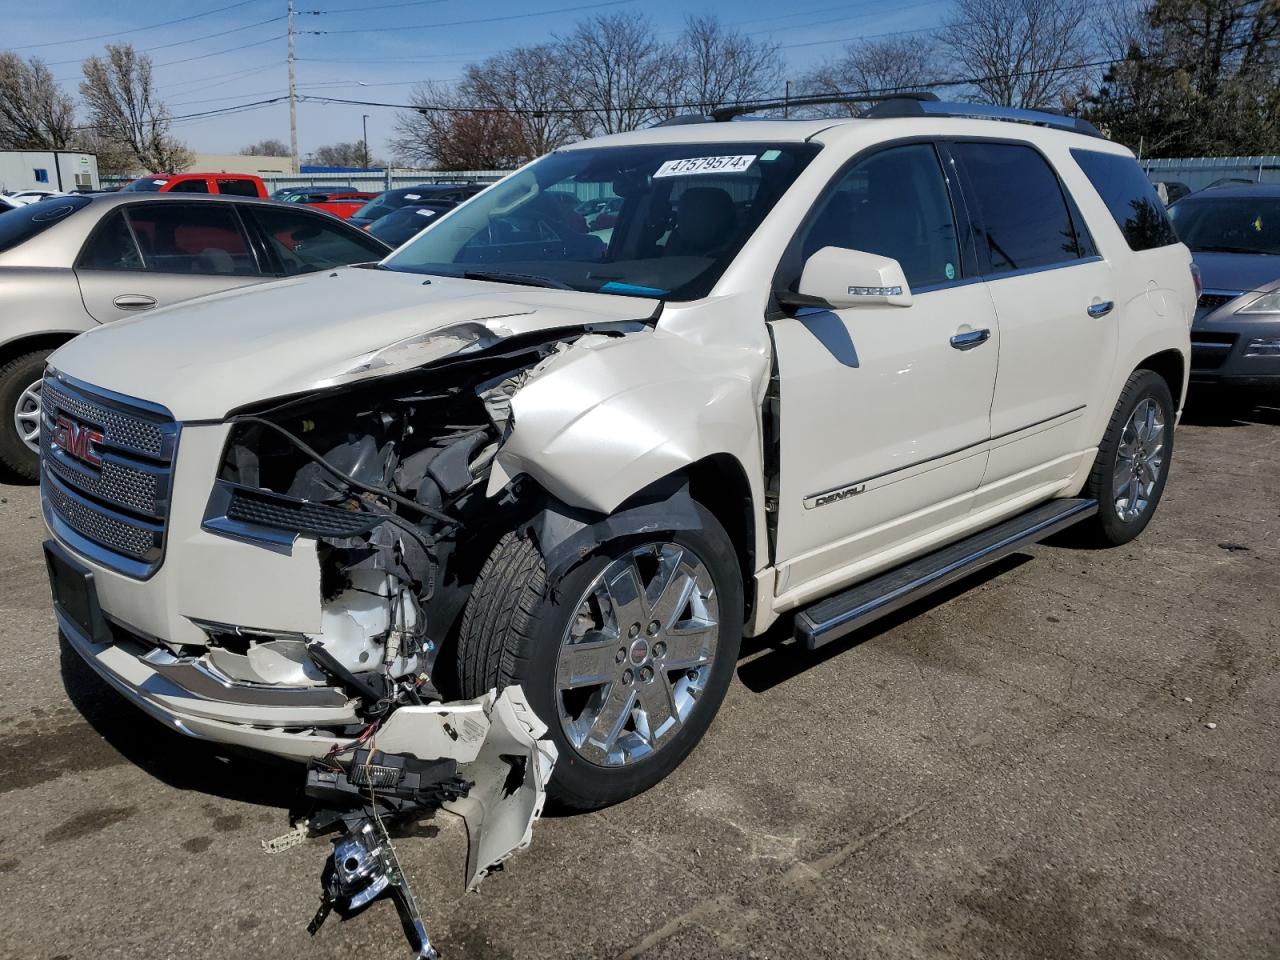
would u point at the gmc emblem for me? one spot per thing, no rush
(77, 440)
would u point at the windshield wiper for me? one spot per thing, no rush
(527, 279)
(1225, 249)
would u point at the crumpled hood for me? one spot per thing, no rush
(206, 357)
(1236, 271)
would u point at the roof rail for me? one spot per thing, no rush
(724, 114)
(902, 107)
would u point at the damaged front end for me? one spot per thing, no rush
(387, 478)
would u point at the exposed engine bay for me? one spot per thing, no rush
(389, 477)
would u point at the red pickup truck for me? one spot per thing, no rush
(234, 184)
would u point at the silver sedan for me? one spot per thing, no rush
(70, 263)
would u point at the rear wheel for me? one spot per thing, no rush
(20, 380)
(626, 657)
(1129, 474)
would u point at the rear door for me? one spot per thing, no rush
(150, 255)
(1055, 303)
(885, 411)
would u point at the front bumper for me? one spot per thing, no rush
(1225, 351)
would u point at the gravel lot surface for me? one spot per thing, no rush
(1076, 753)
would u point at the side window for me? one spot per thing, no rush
(1021, 212)
(196, 185)
(894, 203)
(238, 188)
(110, 247)
(1130, 197)
(200, 238)
(304, 243)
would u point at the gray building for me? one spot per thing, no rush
(48, 170)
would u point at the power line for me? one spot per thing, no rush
(179, 43)
(117, 33)
(218, 53)
(467, 23)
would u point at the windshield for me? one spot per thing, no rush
(1229, 224)
(673, 218)
(25, 222)
(146, 185)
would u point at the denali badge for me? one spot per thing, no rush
(77, 440)
(831, 496)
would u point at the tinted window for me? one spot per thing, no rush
(304, 243)
(23, 223)
(403, 224)
(146, 185)
(190, 186)
(203, 238)
(1229, 224)
(1130, 197)
(238, 188)
(111, 247)
(1020, 209)
(893, 203)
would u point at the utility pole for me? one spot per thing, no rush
(364, 123)
(293, 98)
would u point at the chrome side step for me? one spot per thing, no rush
(841, 614)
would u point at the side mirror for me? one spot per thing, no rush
(839, 278)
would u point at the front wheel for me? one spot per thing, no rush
(20, 381)
(1132, 466)
(626, 657)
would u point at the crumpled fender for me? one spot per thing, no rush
(603, 421)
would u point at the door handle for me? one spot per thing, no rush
(134, 301)
(971, 339)
(1097, 310)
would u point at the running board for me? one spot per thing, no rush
(841, 614)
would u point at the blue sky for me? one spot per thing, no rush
(378, 49)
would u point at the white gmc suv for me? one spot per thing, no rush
(649, 393)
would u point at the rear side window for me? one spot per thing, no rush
(1131, 198)
(1021, 211)
(238, 188)
(198, 238)
(111, 247)
(304, 242)
(24, 223)
(196, 185)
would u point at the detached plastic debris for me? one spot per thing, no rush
(481, 759)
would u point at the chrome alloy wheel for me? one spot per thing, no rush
(26, 416)
(1139, 460)
(637, 654)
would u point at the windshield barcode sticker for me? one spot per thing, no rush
(692, 165)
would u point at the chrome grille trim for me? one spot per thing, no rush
(115, 512)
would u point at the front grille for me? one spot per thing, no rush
(1210, 350)
(1212, 301)
(115, 510)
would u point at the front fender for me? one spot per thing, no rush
(605, 420)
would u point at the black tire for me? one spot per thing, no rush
(1108, 527)
(19, 460)
(512, 632)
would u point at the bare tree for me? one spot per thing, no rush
(338, 155)
(446, 131)
(120, 95)
(719, 66)
(890, 65)
(615, 67)
(35, 114)
(266, 148)
(1020, 53)
(529, 83)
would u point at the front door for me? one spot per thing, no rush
(884, 411)
(155, 254)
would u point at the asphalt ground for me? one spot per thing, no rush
(1075, 754)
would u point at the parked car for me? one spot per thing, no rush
(72, 263)
(23, 197)
(391, 200)
(7, 203)
(401, 225)
(287, 193)
(341, 205)
(1234, 235)
(820, 369)
(1171, 191)
(233, 184)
